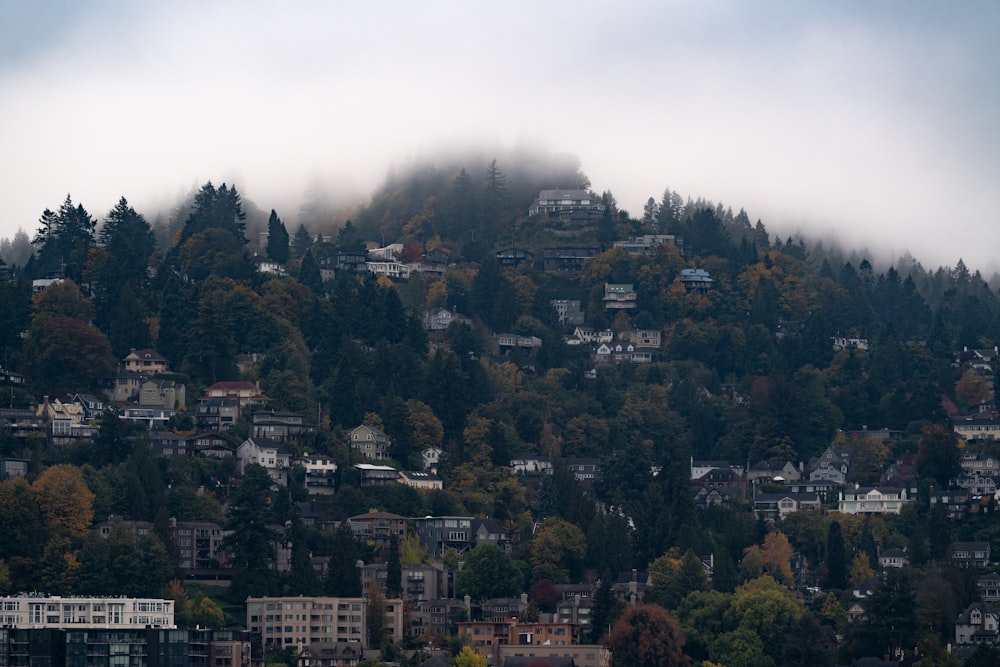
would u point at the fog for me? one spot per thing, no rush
(874, 122)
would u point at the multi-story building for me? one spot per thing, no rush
(440, 533)
(132, 647)
(271, 455)
(619, 296)
(370, 441)
(281, 426)
(378, 527)
(873, 500)
(567, 262)
(299, 621)
(82, 612)
(321, 473)
(577, 206)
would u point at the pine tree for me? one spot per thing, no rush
(277, 239)
(301, 243)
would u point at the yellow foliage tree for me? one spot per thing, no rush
(469, 658)
(65, 500)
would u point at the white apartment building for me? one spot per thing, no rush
(82, 612)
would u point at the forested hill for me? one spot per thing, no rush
(780, 349)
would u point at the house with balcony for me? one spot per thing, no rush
(378, 527)
(970, 555)
(619, 296)
(146, 362)
(696, 281)
(270, 455)
(281, 426)
(868, 500)
(376, 475)
(567, 262)
(321, 473)
(440, 533)
(572, 206)
(648, 243)
(420, 480)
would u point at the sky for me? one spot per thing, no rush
(873, 122)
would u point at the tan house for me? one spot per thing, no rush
(147, 362)
(418, 479)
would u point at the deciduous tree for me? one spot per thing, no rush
(647, 636)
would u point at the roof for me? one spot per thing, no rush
(148, 354)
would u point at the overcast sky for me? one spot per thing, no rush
(877, 120)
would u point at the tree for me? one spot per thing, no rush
(394, 570)
(488, 572)
(890, 620)
(647, 636)
(938, 456)
(468, 657)
(250, 543)
(558, 551)
(67, 504)
(63, 240)
(375, 618)
(301, 243)
(309, 274)
(277, 239)
(836, 557)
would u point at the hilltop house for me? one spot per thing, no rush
(574, 206)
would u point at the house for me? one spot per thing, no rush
(631, 587)
(424, 581)
(510, 341)
(342, 262)
(568, 311)
(531, 465)
(584, 470)
(643, 338)
(619, 296)
(831, 466)
(893, 558)
(146, 362)
(245, 392)
(440, 533)
(777, 471)
(977, 426)
(699, 468)
(17, 423)
(376, 475)
(696, 281)
(979, 462)
(124, 385)
(370, 441)
(776, 506)
(167, 443)
(586, 335)
(488, 530)
(648, 243)
(93, 407)
(217, 414)
(338, 654)
(865, 500)
(388, 252)
(567, 262)
(321, 473)
(266, 453)
(977, 624)
(212, 445)
(281, 426)
(389, 268)
(508, 258)
(970, 555)
(849, 343)
(955, 501)
(573, 206)
(11, 467)
(378, 527)
(431, 458)
(269, 266)
(989, 587)
(153, 416)
(418, 479)
(165, 393)
(439, 319)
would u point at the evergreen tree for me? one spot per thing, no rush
(836, 557)
(309, 274)
(277, 239)
(394, 572)
(301, 243)
(64, 240)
